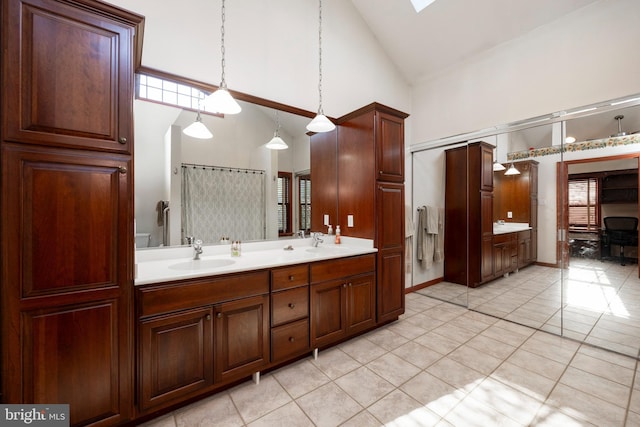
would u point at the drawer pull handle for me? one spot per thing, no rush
(122, 140)
(208, 317)
(219, 315)
(122, 169)
(291, 278)
(291, 339)
(292, 305)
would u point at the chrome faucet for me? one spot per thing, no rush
(197, 249)
(316, 239)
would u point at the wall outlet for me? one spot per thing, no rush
(509, 214)
(326, 219)
(349, 220)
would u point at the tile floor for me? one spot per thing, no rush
(439, 365)
(602, 301)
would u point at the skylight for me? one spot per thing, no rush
(418, 5)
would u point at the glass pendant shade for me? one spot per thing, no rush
(222, 102)
(320, 123)
(198, 129)
(497, 166)
(277, 143)
(512, 170)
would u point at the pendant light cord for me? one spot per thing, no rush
(320, 58)
(223, 83)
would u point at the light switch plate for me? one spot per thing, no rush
(509, 214)
(349, 220)
(326, 219)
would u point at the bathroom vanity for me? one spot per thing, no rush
(202, 327)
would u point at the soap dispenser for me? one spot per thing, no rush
(337, 235)
(330, 231)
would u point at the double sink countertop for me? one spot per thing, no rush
(155, 265)
(510, 227)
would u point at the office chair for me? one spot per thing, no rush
(622, 231)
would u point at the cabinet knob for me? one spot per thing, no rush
(122, 169)
(291, 339)
(219, 315)
(122, 140)
(344, 285)
(292, 305)
(208, 317)
(380, 172)
(291, 278)
(349, 284)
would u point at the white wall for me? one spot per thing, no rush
(583, 58)
(272, 51)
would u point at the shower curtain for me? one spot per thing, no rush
(222, 202)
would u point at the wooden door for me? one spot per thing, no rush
(361, 308)
(241, 337)
(176, 356)
(70, 78)
(389, 147)
(328, 312)
(324, 180)
(67, 280)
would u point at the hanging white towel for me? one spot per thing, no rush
(420, 232)
(438, 254)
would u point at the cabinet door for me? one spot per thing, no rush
(389, 147)
(70, 82)
(176, 356)
(390, 285)
(241, 337)
(361, 312)
(328, 312)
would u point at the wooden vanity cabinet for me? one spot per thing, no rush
(67, 198)
(342, 298)
(468, 247)
(289, 312)
(199, 334)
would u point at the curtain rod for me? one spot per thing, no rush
(222, 168)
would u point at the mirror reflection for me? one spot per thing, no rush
(584, 286)
(243, 201)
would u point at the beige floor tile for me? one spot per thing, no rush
(399, 409)
(518, 406)
(433, 393)
(586, 407)
(538, 364)
(335, 363)
(328, 405)
(217, 410)
(255, 400)
(535, 385)
(437, 342)
(362, 350)
(289, 415)
(300, 378)
(363, 419)
(455, 374)
(477, 360)
(550, 416)
(602, 388)
(386, 338)
(491, 346)
(473, 413)
(603, 368)
(417, 354)
(364, 386)
(393, 369)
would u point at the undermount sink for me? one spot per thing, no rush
(201, 264)
(326, 249)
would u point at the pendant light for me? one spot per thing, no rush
(320, 122)
(497, 166)
(221, 100)
(276, 142)
(512, 170)
(198, 129)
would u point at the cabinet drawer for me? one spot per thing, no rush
(289, 277)
(524, 235)
(163, 298)
(289, 340)
(342, 267)
(289, 305)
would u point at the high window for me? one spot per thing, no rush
(304, 202)
(284, 204)
(584, 212)
(168, 92)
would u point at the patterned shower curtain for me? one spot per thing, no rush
(222, 202)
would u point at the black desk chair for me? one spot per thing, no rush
(621, 231)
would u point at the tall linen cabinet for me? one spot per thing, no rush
(358, 171)
(67, 207)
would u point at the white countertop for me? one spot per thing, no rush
(176, 263)
(510, 227)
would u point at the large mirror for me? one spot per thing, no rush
(237, 149)
(583, 284)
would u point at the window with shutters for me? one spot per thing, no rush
(304, 202)
(284, 204)
(584, 210)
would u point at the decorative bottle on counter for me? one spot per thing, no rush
(235, 248)
(330, 231)
(337, 235)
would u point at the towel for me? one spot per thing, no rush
(438, 254)
(432, 220)
(422, 221)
